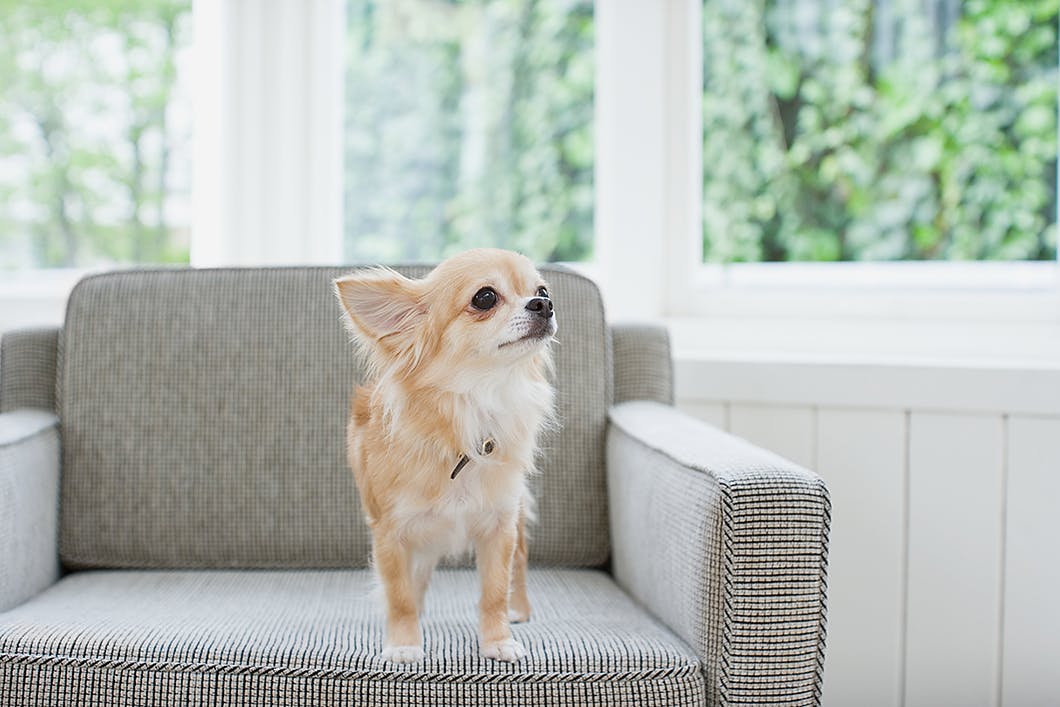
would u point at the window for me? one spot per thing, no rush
(469, 124)
(397, 130)
(94, 133)
(879, 130)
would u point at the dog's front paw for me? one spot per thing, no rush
(507, 650)
(403, 654)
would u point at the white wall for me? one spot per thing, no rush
(945, 544)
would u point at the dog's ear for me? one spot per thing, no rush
(379, 303)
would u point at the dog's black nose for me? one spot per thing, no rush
(541, 306)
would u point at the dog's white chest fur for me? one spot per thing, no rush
(509, 411)
(446, 527)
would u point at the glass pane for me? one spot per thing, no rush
(879, 130)
(95, 153)
(469, 124)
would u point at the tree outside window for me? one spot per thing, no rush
(469, 124)
(879, 130)
(94, 132)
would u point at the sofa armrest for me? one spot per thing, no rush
(27, 368)
(643, 367)
(725, 543)
(29, 504)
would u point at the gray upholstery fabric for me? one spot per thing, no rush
(29, 504)
(643, 365)
(728, 545)
(203, 420)
(122, 638)
(27, 369)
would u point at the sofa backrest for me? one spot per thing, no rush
(203, 419)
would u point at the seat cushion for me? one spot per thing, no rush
(204, 412)
(313, 637)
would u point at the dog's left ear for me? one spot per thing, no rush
(379, 303)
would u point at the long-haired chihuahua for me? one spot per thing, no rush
(443, 435)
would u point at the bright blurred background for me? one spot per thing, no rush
(844, 211)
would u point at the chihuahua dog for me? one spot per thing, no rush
(442, 437)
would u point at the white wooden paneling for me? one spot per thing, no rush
(861, 456)
(710, 411)
(788, 431)
(1031, 647)
(954, 576)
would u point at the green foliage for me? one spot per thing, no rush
(469, 124)
(86, 138)
(850, 133)
(837, 132)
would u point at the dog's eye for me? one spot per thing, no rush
(484, 299)
(542, 291)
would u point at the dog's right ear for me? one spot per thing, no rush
(379, 303)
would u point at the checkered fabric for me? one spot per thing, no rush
(27, 369)
(643, 365)
(29, 504)
(728, 545)
(203, 421)
(129, 638)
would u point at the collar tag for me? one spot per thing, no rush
(485, 449)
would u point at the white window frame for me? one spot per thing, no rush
(629, 208)
(268, 157)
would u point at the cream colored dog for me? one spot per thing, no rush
(443, 436)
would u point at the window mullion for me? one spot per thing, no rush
(268, 132)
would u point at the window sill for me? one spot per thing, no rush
(952, 364)
(35, 298)
(945, 365)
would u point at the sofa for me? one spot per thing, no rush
(178, 525)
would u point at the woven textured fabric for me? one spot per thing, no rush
(29, 504)
(27, 369)
(127, 637)
(204, 412)
(643, 366)
(727, 544)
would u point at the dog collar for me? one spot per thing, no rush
(485, 449)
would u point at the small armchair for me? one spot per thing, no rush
(178, 526)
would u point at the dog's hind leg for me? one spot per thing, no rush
(423, 564)
(518, 602)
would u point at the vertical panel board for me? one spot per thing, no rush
(1031, 646)
(861, 456)
(710, 411)
(785, 430)
(955, 510)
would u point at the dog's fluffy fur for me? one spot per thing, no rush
(445, 375)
